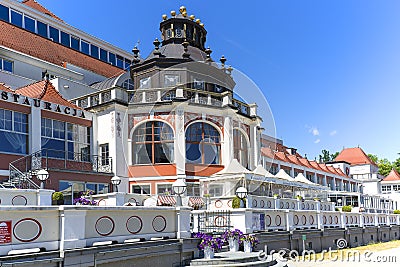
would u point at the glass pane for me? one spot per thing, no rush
(120, 62)
(4, 13)
(7, 65)
(42, 29)
(94, 51)
(103, 55)
(127, 63)
(65, 39)
(85, 47)
(54, 34)
(163, 152)
(66, 189)
(193, 154)
(75, 43)
(211, 154)
(29, 24)
(111, 58)
(16, 18)
(13, 142)
(142, 154)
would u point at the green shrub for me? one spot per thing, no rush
(57, 196)
(346, 208)
(337, 209)
(236, 202)
(396, 211)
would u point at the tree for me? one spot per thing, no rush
(396, 164)
(374, 158)
(385, 166)
(326, 156)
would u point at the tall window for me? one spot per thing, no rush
(105, 154)
(203, 144)
(13, 132)
(240, 151)
(62, 140)
(6, 65)
(153, 143)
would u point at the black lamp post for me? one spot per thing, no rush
(241, 193)
(179, 187)
(116, 181)
(42, 176)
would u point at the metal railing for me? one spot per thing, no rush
(216, 222)
(49, 159)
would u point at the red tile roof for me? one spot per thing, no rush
(45, 91)
(35, 5)
(37, 46)
(354, 156)
(392, 176)
(3, 87)
(299, 161)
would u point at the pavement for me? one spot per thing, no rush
(383, 258)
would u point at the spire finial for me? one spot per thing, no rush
(135, 51)
(222, 60)
(208, 52)
(156, 44)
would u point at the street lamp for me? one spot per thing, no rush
(241, 193)
(339, 201)
(42, 176)
(179, 187)
(116, 181)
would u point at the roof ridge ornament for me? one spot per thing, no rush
(208, 52)
(156, 44)
(185, 54)
(136, 58)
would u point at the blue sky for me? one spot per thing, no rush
(330, 70)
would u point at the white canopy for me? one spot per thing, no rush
(283, 175)
(302, 179)
(261, 171)
(234, 167)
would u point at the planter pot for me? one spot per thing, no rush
(57, 202)
(233, 244)
(208, 253)
(247, 246)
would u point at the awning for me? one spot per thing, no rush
(196, 202)
(164, 200)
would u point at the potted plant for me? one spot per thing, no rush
(233, 238)
(57, 198)
(85, 199)
(208, 244)
(236, 202)
(317, 199)
(249, 242)
(299, 198)
(276, 196)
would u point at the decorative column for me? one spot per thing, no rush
(227, 146)
(179, 145)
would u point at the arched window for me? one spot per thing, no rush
(240, 148)
(153, 142)
(203, 144)
(127, 84)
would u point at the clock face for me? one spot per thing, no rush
(178, 32)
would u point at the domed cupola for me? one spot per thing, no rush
(181, 27)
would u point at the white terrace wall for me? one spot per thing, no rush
(69, 227)
(25, 197)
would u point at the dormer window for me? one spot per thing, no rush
(171, 80)
(169, 33)
(198, 84)
(145, 83)
(178, 32)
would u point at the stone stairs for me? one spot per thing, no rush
(233, 259)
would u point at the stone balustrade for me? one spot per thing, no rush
(25, 197)
(70, 227)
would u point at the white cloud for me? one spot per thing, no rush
(314, 131)
(334, 132)
(317, 141)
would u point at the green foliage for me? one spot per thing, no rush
(236, 202)
(326, 156)
(346, 208)
(396, 164)
(374, 158)
(396, 212)
(57, 196)
(384, 166)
